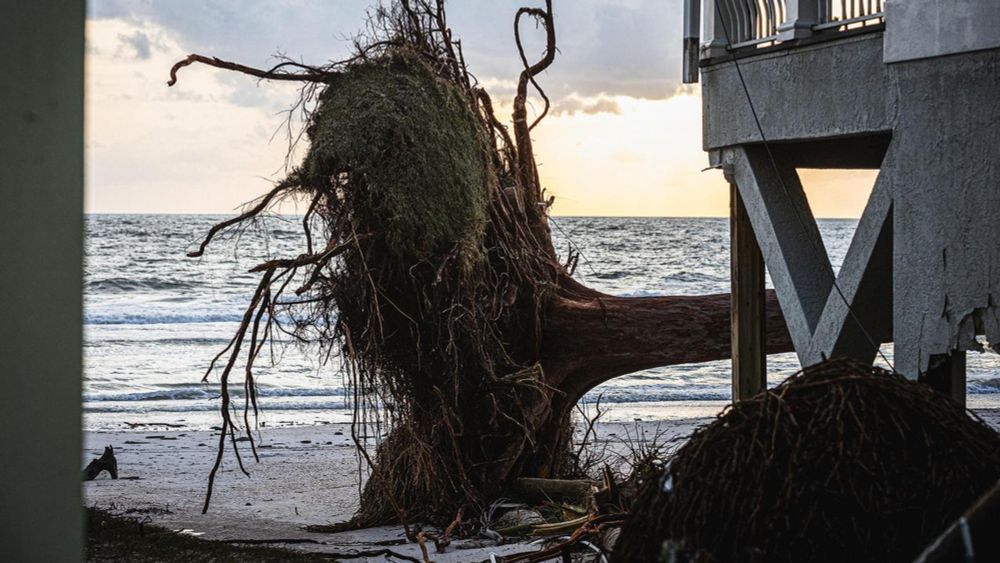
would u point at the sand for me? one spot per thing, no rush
(306, 475)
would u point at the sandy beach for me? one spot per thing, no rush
(306, 475)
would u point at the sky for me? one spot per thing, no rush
(623, 138)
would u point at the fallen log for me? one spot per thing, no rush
(538, 491)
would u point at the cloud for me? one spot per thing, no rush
(618, 47)
(250, 31)
(139, 43)
(201, 145)
(574, 104)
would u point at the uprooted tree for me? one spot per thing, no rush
(429, 267)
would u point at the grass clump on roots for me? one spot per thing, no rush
(411, 139)
(840, 462)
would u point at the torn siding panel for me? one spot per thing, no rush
(948, 206)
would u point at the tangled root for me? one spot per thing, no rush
(425, 265)
(842, 461)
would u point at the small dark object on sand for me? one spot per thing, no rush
(107, 461)
(843, 461)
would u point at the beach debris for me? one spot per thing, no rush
(147, 510)
(142, 424)
(107, 462)
(267, 541)
(517, 521)
(842, 461)
(587, 533)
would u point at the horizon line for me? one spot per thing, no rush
(232, 213)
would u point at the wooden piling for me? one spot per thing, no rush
(748, 301)
(946, 374)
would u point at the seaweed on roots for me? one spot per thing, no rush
(425, 249)
(842, 461)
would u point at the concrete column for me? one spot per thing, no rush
(41, 252)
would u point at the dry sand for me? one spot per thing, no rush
(306, 475)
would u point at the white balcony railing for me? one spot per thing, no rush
(838, 14)
(717, 27)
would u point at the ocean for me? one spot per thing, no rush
(154, 319)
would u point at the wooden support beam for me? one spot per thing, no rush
(747, 312)
(946, 374)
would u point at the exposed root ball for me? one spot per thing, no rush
(426, 265)
(840, 462)
(405, 173)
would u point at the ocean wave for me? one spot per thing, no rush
(157, 317)
(984, 386)
(694, 277)
(204, 398)
(187, 407)
(664, 395)
(642, 293)
(205, 393)
(208, 392)
(193, 341)
(123, 285)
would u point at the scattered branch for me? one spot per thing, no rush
(276, 72)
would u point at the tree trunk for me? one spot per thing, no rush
(588, 341)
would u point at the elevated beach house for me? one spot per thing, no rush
(908, 87)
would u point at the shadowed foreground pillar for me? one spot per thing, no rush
(41, 257)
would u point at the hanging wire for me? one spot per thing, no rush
(573, 245)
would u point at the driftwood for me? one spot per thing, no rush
(107, 462)
(539, 491)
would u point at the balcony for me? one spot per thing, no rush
(724, 28)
